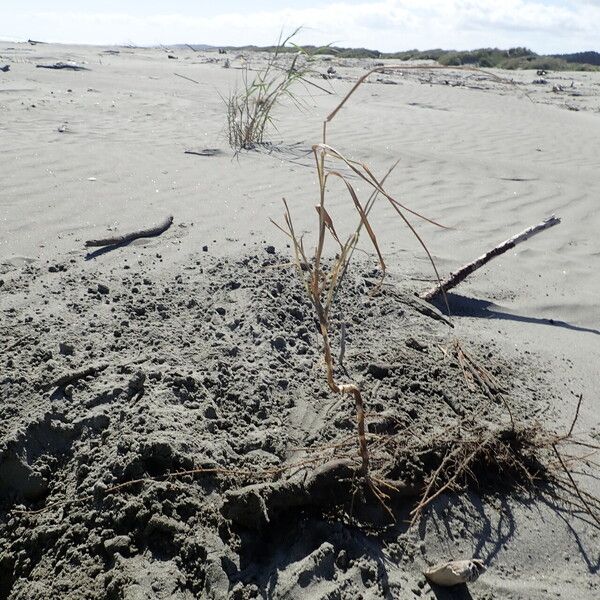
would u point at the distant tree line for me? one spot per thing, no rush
(513, 58)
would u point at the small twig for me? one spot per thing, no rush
(129, 237)
(576, 415)
(460, 470)
(575, 487)
(485, 379)
(188, 78)
(170, 476)
(457, 277)
(342, 345)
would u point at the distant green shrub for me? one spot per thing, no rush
(591, 57)
(547, 63)
(518, 57)
(452, 59)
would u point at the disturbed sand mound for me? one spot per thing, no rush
(137, 374)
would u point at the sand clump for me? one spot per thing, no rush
(215, 367)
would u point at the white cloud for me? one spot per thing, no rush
(545, 26)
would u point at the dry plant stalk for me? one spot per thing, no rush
(322, 281)
(514, 449)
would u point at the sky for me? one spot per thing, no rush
(546, 26)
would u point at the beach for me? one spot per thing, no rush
(203, 353)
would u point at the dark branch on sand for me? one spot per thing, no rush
(455, 278)
(129, 237)
(62, 65)
(184, 77)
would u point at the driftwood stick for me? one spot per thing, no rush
(61, 65)
(129, 237)
(455, 278)
(184, 77)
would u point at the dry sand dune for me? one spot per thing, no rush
(194, 328)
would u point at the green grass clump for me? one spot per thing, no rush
(249, 110)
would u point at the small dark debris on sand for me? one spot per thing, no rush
(69, 66)
(205, 152)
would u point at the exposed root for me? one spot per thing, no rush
(475, 373)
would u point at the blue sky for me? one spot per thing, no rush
(543, 25)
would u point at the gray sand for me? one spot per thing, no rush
(210, 359)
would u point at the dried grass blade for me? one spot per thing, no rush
(364, 219)
(324, 215)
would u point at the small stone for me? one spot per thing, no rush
(66, 349)
(270, 249)
(119, 543)
(103, 289)
(136, 383)
(210, 412)
(342, 560)
(379, 370)
(161, 524)
(416, 344)
(279, 343)
(99, 489)
(204, 248)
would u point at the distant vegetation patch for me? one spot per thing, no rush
(513, 58)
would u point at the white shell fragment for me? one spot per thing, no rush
(454, 572)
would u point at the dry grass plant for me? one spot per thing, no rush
(249, 110)
(322, 281)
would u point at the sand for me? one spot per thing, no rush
(205, 350)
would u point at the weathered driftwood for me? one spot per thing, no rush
(70, 66)
(204, 152)
(455, 278)
(129, 237)
(188, 78)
